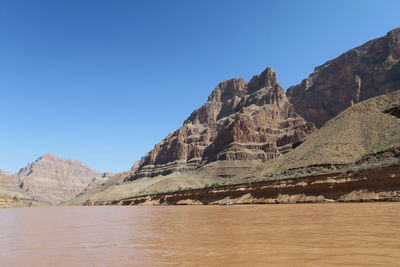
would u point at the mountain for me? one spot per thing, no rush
(241, 122)
(252, 130)
(366, 71)
(52, 179)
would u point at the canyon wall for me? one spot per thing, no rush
(366, 71)
(241, 121)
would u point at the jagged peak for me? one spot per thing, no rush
(239, 87)
(228, 89)
(267, 78)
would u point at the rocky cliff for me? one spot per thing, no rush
(366, 71)
(241, 121)
(257, 121)
(52, 179)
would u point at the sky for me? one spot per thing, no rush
(103, 81)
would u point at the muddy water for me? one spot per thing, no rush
(309, 234)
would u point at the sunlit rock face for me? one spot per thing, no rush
(241, 121)
(257, 121)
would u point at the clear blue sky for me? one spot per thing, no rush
(104, 81)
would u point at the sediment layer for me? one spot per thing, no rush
(379, 184)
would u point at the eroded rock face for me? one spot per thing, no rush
(240, 121)
(256, 120)
(366, 71)
(52, 179)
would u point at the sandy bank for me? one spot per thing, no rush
(379, 184)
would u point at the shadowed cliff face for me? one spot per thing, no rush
(240, 121)
(366, 71)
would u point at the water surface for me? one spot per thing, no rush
(249, 235)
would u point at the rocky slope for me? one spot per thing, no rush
(366, 133)
(52, 179)
(241, 121)
(366, 71)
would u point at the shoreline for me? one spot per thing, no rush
(378, 184)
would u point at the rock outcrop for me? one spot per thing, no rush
(241, 121)
(52, 179)
(366, 71)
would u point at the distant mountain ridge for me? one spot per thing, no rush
(52, 179)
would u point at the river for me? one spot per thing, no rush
(249, 235)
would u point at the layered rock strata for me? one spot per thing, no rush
(256, 121)
(52, 179)
(379, 184)
(241, 121)
(366, 71)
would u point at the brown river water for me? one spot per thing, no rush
(364, 234)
